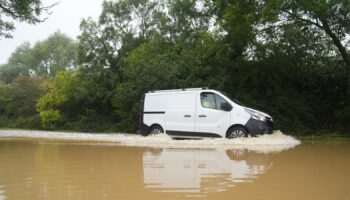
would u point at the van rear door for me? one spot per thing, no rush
(180, 113)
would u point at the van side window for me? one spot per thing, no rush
(213, 101)
(208, 100)
(220, 102)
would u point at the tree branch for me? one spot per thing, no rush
(32, 18)
(10, 12)
(297, 17)
(337, 42)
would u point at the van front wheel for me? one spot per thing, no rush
(155, 129)
(237, 132)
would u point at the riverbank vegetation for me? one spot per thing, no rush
(288, 58)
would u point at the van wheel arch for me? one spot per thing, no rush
(154, 126)
(234, 126)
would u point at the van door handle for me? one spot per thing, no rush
(202, 116)
(187, 115)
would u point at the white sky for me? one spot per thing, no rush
(66, 17)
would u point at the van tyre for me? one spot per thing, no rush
(237, 132)
(155, 129)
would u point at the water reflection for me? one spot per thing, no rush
(201, 170)
(54, 169)
(2, 197)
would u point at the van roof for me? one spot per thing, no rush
(179, 90)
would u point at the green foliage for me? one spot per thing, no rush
(58, 92)
(17, 64)
(237, 18)
(17, 103)
(45, 59)
(342, 117)
(300, 99)
(53, 98)
(72, 101)
(29, 11)
(57, 53)
(326, 19)
(50, 118)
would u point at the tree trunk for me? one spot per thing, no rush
(342, 50)
(337, 43)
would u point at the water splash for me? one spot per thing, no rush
(277, 141)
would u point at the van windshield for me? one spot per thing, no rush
(232, 99)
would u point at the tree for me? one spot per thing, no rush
(18, 64)
(17, 103)
(261, 21)
(284, 39)
(57, 53)
(329, 17)
(104, 45)
(73, 101)
(45, 59)
(237, 18)
(29, 11)
(57, 94)
(122, 26)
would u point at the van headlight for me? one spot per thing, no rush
(256, 115)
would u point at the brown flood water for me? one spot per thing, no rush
(63, 169)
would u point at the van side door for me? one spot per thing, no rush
(180, 114)
(213, 116)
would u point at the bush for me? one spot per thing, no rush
(50, 119)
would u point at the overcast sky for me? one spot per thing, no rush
(66, 17)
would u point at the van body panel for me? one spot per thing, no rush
(154, 110)
(238, 115)
(181, 112)
(173, 111)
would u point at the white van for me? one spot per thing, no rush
(198, 113)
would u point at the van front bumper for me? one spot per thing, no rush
(257, 127)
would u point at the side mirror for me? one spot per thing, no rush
(225, 106)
